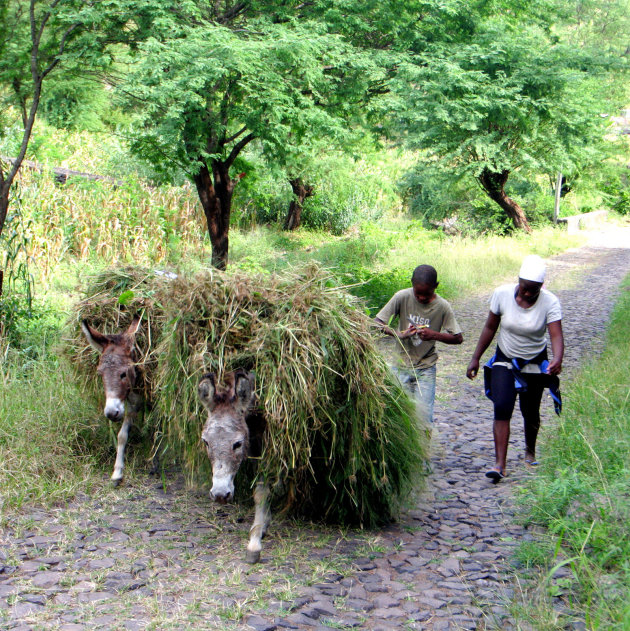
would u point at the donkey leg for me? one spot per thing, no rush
(262, 518)
(123, 435)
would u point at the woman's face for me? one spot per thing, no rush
(529, 290)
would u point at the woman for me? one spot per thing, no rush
(523, 312)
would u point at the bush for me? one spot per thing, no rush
(344, 194)
(617, 190)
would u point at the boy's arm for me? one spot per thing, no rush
(402, 335)
(450, 324)
(385, 315)
(446, 338)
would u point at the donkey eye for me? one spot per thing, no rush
(123, 376)
(237, 445)
(206, 442)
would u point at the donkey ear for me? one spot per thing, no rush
(206, 390)
(134, 326)
(97, 340)
(244, 388)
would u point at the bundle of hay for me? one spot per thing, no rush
(342, 441)
(111, 300)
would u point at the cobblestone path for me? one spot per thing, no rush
(153, 555)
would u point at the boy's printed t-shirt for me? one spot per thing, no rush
(438, 315)
(522, 331)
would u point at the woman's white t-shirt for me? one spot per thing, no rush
(522, 331)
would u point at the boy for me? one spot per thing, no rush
(422, 315)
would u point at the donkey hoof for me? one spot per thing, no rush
(252, 556)
(117, 482)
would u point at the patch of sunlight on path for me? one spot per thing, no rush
(609, 236)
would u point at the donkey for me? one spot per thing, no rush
(232, 432)
(123, 387)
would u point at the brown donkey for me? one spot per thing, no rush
(123, 392)
(232, 432)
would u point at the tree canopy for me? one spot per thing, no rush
(482, 88)
(511, 98)
(205, 92)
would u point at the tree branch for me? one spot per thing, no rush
(62, 46)
(236, 149)
(230, 14)
(235, 136)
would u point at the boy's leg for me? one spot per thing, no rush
(424, 392)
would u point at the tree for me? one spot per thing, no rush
(34, 36)
(599, 23)
(205, 93)
(41, 38)
(513, 97)
(301, 191)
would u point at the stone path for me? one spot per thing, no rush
(152, 555)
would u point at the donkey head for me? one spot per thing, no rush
(116, 366)
(225, 433)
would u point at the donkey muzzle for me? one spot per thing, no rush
(114, 409)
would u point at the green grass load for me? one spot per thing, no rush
(342, 443)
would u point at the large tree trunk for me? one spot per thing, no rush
(493, 183)
(215, 193)
(301, 192)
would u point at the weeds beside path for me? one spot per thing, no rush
(152, 555)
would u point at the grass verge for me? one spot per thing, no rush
(581, 496)
(44, 426)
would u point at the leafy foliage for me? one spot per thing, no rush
(487, 106)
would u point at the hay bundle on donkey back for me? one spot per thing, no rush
(111, 299)
(342, 442)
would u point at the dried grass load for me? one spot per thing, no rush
(342, 442)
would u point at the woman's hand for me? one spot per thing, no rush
(473, 368)
(555, 367)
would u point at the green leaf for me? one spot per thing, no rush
(126, 297)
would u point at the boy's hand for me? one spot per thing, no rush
(411, 331)
(427, 334)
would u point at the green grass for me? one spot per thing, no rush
(581, 494)
(44, 426)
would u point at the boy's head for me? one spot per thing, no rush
(424, 282)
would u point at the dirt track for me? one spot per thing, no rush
(152, 555)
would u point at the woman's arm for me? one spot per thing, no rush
(486, 337)
(557, 347)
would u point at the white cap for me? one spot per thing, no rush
(533, 268)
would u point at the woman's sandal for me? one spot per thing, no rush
(495, 474)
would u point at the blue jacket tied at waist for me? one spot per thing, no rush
(550, 381)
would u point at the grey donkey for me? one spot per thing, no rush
(124, 398)
(232, 432)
